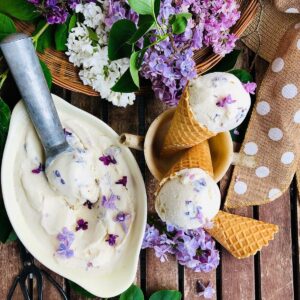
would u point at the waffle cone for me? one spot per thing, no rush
(196, 157)
(184, 131)
(241, 236)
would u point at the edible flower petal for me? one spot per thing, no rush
(226, 100)
(82, 224)
(122, 181)
(111, 239)
(39, 169)
(250, 87)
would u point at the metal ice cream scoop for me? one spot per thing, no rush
(25, 67)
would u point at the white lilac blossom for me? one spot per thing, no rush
(91, 55)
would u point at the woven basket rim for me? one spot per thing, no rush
(65, 74)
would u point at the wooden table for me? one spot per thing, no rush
(271, 274)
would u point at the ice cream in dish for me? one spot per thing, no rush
(210, 104)
(95, 240)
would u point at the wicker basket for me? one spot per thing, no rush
(66, 75)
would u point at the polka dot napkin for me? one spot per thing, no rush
(288, 6)
(273, 134)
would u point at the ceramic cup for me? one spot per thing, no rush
(221, 148)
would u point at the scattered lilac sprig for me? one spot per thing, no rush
(194, 249)
(206, 291)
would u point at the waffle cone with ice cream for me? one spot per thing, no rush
(210, 104)
(182, 201)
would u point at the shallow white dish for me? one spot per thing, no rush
(102, 284)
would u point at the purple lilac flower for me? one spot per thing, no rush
(82, 224)
(161, 252)
(64, 251)
(56, 11)
(225, 101)
(194, 249)
(122, 218)
(250, 87)
(206, 291)
(88, 204)
(107, 160)
(109, 202)
(39, 169)
(111, 239)
(122, 181)
(170, 64)
(151, 237)
(65, 238)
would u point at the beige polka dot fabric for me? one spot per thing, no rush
(288, 6)
(273, 135)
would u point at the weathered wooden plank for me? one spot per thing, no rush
(10, 266)
(276, 259)
(237, 276)
(158, 275)
(190, 283)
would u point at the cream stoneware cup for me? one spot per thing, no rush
(221, 148)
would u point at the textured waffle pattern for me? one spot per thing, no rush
(184, 131)
(196, 157)
(241, 236)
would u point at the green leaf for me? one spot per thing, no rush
(79, 290)
(4, 124)
(19, 9)
(47, 74)
(227, 63)
(243, 75)
(7, 26)
(72, 22)
(179, 25)
(166, 295)
(134, 69)
(119, 35)
(93, 35)
(132, 293)
(125, 84)
(46, 39)
(61, 37)
(142, 7)
(12, 237)
(144, 27)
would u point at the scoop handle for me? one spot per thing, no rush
(20, 55)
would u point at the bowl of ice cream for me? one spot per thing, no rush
(95, 243)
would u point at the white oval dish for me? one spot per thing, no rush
(104, 284)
